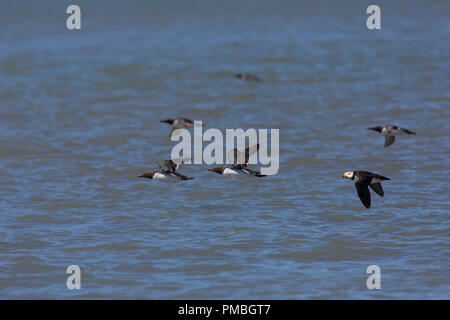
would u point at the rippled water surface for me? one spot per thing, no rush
(79, 121)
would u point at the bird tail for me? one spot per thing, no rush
(253, 172)
(408, 131)
(180, 176)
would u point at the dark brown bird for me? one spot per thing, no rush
(179, 123)
(166, 169)
(247, 77)
(239, 163)
(390, 131)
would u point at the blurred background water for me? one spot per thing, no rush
(79, 120)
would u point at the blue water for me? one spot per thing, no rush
(80, 119)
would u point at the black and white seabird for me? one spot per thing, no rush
(247, 77)
(179, 123)
(239, 164)
(390, 131)
(364, 180)
(156, 175)
(236, 169)
(166, 169)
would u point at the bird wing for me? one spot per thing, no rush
(363, 191)
(167, 166)
(237, 157)
(377, 188)
(389, 140)
(187, 120)
(179, 161)
(249, 151)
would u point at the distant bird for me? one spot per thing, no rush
(390, 132)
(364, 180)
(239, 163)
(179, 123)
(247, 77)
(166, 169)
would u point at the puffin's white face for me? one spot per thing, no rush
(348, 174)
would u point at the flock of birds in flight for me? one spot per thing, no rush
(363, 179)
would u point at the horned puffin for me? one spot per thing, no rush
(364, 180)
(390, 131)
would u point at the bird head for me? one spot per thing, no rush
(348, 175)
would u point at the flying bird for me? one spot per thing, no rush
(179, 123)
(390, 131)
(166, 169)
(247, 77)
(239, 163)
(364, 180)
(236, 169)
